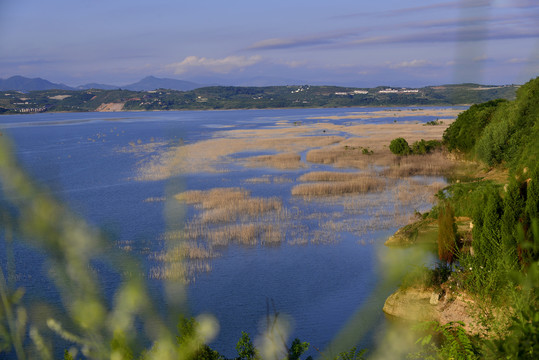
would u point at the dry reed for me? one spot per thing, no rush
(330, 176)
(277, 161)
(434, 164)
(185, 251)
(362, 185)
(154, 199)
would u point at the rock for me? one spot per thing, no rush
(410, 304)
(434, 298)
(421, 304)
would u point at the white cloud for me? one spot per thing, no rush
(480, 58)
(221, 66)
(410, 64)
(517, 61)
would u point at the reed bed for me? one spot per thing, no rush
(330, 176)
(154, 199)
(444, 113)
(185, 250)
(277, 161)
(213, 198)
(362, 185)
(179, 271)
(268, 179)
(245, 234)
(434, 164)
(346, 157)
(242, 208)
(229, 204)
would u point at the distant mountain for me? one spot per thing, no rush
(153, 83)
(97, 86)
(21, 83)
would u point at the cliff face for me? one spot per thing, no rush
(420, 304)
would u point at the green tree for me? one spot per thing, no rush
(513, 208)
(245, 348)
(447, 234)
(467, 128)
(297, 349)
(399, 146)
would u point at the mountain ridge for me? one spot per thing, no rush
(24, 84)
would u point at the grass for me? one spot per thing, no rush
(229, 204)
(330, 176)
(434, 164)
(277, 161)
(268, 179)
(362, 202)
(358, 185)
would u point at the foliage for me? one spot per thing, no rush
(422, 276)
(92, 327)
(422, 147)
(230, 97)
(521, 340)
(245, 348)
(297, 349)
(434, 122)
(399, 146)
(466, 199)
(453, 340)
(463, 132)
(447, 234)
(499, 131)
(353, 354)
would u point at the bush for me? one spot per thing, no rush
(424, 147)
(447, 234)
(467, 128)
(399, 146)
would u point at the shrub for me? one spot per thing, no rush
(424, 147)
(447, 234)
(399, 146)
(467, 128)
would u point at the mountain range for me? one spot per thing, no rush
(21, 83)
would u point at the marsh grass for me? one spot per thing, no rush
(213, 155)
(331, 176)
(268, 179)
(155, 199)
(380, 197)
(185, 250)
(348, 157)
(361, 184)
(265, 179)
(433, 164)
(179, 271)
(277, 161)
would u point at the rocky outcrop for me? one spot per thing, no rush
(110, 107)
(422, 304)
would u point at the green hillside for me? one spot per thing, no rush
(494, 261)
(231, 97)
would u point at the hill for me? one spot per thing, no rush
(234, 97)
(153, 83)
(20, 83)
(97, 86)
(500, 133)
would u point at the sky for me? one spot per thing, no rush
(248, 42)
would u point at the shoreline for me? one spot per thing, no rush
(236, 109)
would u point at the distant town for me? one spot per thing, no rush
(153, 96)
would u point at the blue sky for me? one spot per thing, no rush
(342, 42)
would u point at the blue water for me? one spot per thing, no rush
(78, 157)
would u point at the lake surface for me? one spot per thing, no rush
(87, 162)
